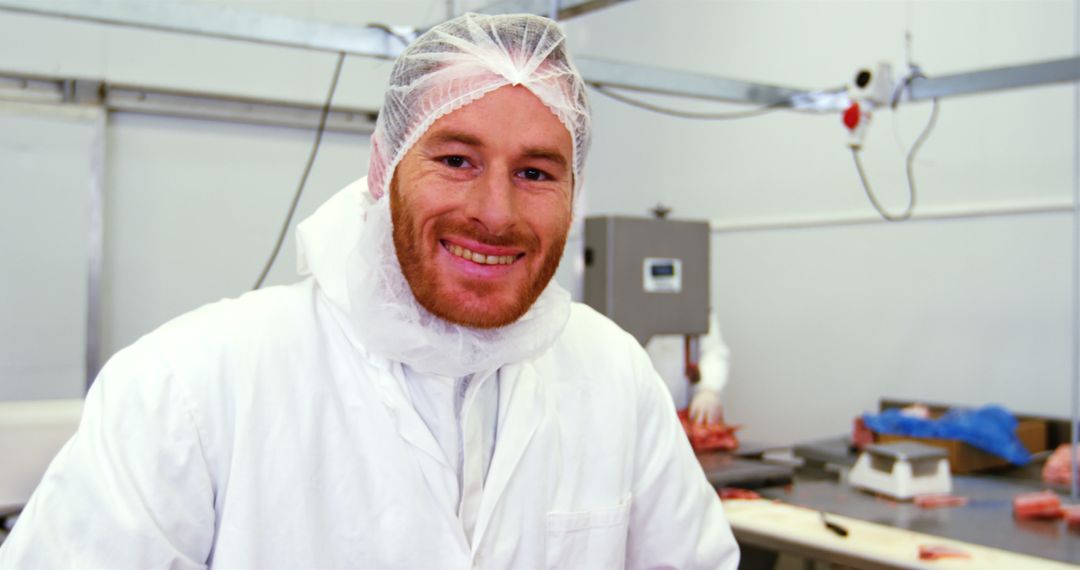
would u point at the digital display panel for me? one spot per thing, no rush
(663, 270)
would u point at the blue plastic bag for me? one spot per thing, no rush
(990, 428)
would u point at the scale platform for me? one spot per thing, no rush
(902, 470)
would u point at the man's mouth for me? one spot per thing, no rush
(480, 258)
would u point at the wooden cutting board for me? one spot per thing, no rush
(788, 528)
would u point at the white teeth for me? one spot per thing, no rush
(479, 257)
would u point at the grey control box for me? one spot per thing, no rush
(651, 276)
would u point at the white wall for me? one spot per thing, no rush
(194, 208)
(45, 187)
(822, 321)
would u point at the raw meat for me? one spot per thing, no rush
(1072, 516)
(938, 551)
(936, 500)
(709, 437)
(861, 436)
(1041, 505)
(737, 493)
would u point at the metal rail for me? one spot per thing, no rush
(268, 29)
(216, 22)
(997, 79)
(147, 100)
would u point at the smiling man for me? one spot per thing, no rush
(426, 397)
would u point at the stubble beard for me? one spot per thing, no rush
(426, 287)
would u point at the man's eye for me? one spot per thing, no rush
(455, 161)
(534, 174)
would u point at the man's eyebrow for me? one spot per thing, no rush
(544, 153)
(443, 137)
(536, 152)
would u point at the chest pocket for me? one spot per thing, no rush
(592, 540)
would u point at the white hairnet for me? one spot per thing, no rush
(458, 62)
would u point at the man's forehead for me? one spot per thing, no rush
(509, 113)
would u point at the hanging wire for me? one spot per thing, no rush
(390, 32)
(307, 171)
(912, 196)
(689, 114)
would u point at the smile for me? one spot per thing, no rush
(479, 258)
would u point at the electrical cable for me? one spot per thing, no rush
(307, 171)
(390, 32)
(906, 214)
(757, 111)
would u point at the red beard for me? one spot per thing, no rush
(418, 267)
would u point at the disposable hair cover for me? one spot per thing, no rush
(458, 62)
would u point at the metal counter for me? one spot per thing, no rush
(986, 519)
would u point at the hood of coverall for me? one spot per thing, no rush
(348, 245)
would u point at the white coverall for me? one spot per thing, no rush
(257, 433)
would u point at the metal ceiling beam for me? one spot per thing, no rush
(682, 83)
(227, 23)
(1013, 77)
(566, 8)
(261, 28)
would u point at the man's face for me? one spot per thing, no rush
(481, 207)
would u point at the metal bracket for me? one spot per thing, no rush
(83, 91)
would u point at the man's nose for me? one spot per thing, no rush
(492, 203)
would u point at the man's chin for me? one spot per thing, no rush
(482, 314)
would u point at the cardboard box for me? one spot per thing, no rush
(964, 458)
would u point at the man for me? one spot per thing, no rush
(426, 398)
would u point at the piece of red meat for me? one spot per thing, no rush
(938, 551)
(936, 500)
(737, 493)
(709, 437)
(861, 436)
(1041, 505)
(1072, 516)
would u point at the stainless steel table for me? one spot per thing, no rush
(986, 519)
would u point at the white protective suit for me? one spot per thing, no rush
(309, 426)
(257, 433)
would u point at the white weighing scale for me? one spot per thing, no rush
(902, 470)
